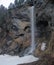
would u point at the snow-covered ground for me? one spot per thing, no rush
(14, 60)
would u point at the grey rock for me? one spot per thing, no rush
(11, 53)
(0, 51)
(9, 43)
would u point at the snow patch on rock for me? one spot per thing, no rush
(43, 47)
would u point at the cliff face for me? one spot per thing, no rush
(44, 24)
(16, 40)
(17, 37)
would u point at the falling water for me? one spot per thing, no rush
(32, 47)
(32, 30)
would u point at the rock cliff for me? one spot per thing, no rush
(16, 39)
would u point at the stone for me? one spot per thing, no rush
(0, 51)
(11, 53)
(0, 30)
(9, 43)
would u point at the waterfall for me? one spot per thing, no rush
(32, 30)
(32, 47)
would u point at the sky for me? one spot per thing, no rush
(6, 2)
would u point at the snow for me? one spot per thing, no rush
(43, 46)
(14, 60)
